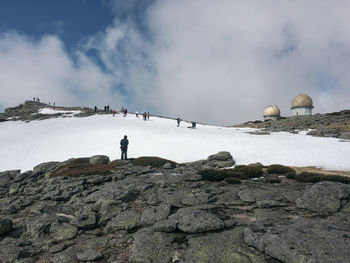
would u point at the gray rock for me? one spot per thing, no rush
(58, 248)
(38, 225)
(124, 221)
(224, 247)
(197, 221)
(220, 156)
(246, 196)
(67, 256)
(191, 220)
(324, 197)
(89, 255)
(45, 167)
(149, 246)
(5, 226)
(63, 231)
(220, 160)
(99, 159)
(304, 240)
(85, 218)
(154, 214)
(168, 166)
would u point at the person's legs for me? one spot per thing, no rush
(126, 155)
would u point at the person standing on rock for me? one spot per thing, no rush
(124, 147)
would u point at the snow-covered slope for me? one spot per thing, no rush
(24, 145)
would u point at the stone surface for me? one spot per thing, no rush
(124, 221)
(5, 226)
(63, 231)
(138, 214)
(223, 247)
(324, 197)
(89, 255)
(99, 159)
(303, 240)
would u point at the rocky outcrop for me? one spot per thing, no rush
(334, 124)
(29, 111)
(167, 214)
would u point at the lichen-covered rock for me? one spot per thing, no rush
(63, 231)
(99, 159)
(67, 256)
(89, 255)
(191, 220)
(324, 197)
(223, 247)
(149, 246)
(154, 214)
(124, 221)
(303, 240)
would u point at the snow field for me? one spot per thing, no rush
(24, 145)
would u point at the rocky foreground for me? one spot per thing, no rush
(93, 210)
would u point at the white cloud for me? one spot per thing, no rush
(240, 56)
(197, 60)
(42, 68)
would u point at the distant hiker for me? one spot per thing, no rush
(113, 112)
(33, 98)
(125, 112)
(107, 107)
(147, 115)
(95, 108)
(193, 125)
(144, 116)
(124, 147)
(178, 121)
(137, 114)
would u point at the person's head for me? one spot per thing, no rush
(125, 136)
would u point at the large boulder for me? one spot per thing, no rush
(99, 159)
(220, 160)
(324, 197)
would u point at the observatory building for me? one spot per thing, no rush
(272, 113)
(302, 105)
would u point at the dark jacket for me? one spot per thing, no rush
(124, 144)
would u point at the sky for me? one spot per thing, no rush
(191, 59)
